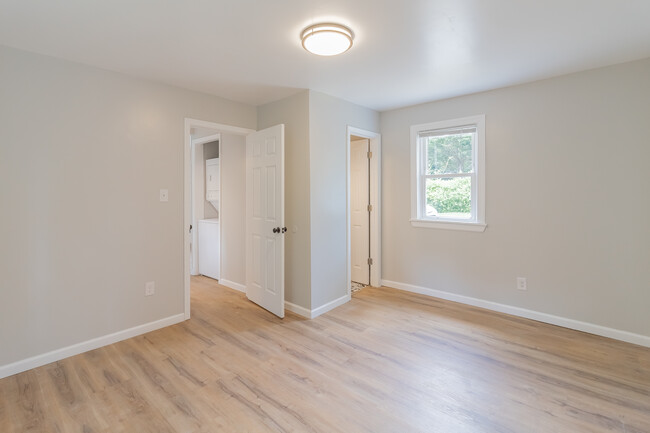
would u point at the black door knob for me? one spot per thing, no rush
(276, 230)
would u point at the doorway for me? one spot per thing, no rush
(197, 133)
(252, 175)
(205, 144)
(363, 208)
(360, 211)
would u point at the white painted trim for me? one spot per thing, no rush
(207, 139)
(449, 225)
(187, 191)
(76, 349)
(219, 126)
(301, 311)
(330, 306)
(375, 201)
(233, 285)
(312, 314)
(629, 337)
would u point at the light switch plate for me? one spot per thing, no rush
(164, 195)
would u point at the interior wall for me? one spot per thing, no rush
(83, 155)
(329, 118)
(294, 113)
(233, 208)
(567, 201)
(210, 151)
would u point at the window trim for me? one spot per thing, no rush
(477, 224)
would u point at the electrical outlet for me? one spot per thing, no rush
(521, 283)
(149, 288)
(164, 195)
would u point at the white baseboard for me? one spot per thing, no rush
(233, 285)
(330, 306)
(75, 349)
(301, 311)
(641, 340)
(311, 314)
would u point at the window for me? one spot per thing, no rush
(448, 174)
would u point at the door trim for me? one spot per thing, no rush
(187, 193)
(375, 202)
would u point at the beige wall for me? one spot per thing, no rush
(294, 113)
(83, 154)
(329, 118)
(567, 199)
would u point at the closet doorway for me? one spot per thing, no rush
(363, 210)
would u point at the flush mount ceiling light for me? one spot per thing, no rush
(327, 39)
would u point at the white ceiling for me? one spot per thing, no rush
(405, 52)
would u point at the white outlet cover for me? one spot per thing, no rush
(149, 288)
(521, 283)
(164, 195)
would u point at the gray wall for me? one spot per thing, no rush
(567, 199)
(83, 154)
(210, 150)
(329, 119)
(294, 113)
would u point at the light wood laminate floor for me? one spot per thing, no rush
(388, 361)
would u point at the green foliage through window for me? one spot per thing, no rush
(451, 195)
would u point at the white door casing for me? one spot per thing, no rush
(264, 213)
(359, 200)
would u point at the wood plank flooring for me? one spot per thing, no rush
(388, 361)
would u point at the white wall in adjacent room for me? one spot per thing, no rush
(233, 207)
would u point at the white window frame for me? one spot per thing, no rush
(418, 206)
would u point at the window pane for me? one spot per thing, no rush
(449, 153)
(449, 197)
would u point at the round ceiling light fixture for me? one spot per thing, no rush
(327, 39)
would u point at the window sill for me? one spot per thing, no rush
(449, 225)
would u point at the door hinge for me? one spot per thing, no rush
(369, 261)
(369, 155)
(369, 208)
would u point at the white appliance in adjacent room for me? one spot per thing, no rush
(209, 242)
(212, 181)
(209, 260)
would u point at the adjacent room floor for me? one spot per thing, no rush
(388, 361)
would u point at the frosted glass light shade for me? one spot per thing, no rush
(327, 39)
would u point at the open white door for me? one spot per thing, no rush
(360, 216)
(265, 218)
